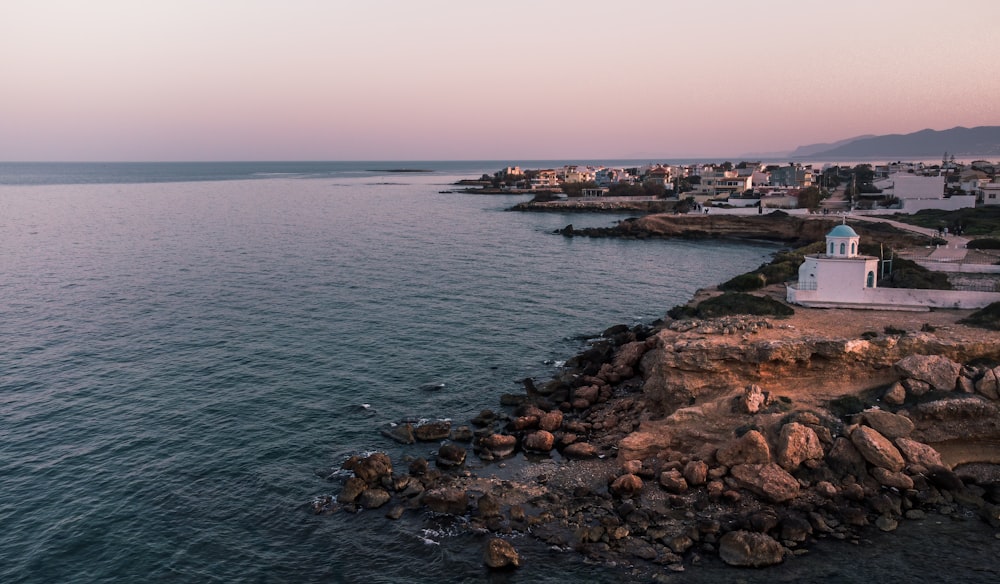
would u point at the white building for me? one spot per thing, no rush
(840, 275)
(842, 278)
(916, 193)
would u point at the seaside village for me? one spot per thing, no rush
(842, 277)
(905, 187)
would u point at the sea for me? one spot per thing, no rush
(190, 351)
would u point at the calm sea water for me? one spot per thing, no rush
(187, 351)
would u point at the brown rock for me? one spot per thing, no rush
(433, 431)
(551, 421)
(488, 506)
(540, 441)
(587, 393)
(767, 480)
(888, 424)
(627, 485)
(632, 467)
(877, 449)
(989, 384)
(374, 498)
(892, 479)
(748, 549)
(826, 489)
(580, 450)
(673, 481)
(524, 423)
(915, 387)
(353, 487)
(940, 372)
(499, 554)
(751, 448)
(696, 473)
(500, 445)
(845, 459)
(446, 500)
(797, 444)
(919, 453)
(373, 467)
(895, 395)
(450, 455)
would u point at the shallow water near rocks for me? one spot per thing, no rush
(188, 358)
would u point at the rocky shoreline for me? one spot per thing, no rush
(742, 437)
(774, 226)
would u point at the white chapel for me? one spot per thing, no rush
(841, 275)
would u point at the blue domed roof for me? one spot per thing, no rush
(842, 231)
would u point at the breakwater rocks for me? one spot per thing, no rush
(749, 471)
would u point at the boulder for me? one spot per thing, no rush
(750, 448)
(696, 473)
(795, 527)
(915, 387)
(895, 395)
(353, 487)
(797, 443)
(433, 431)
(877, 449)
(451, 455)
(627, 485)
(751, 550)
(500, 445)
(845, 459)
(989, 384)
(770, 481)
(887, 478)
(374, 498)
(587, 393)
(522, 423)
(372, 468)
(500, 554)
(551, 421)
(488, 506)
(580, 450)
(888, 424)
(919, 453)
(402, 433)
(940, 372)
(673, 481)
(540, 441)
(446, 500)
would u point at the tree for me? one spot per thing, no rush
(810, 198)
(575, 189)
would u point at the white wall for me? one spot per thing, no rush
(952, 203)
(900, 299)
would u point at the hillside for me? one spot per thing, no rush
(981, 141)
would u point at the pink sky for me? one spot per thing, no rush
(397, 80)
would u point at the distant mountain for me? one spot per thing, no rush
(811, 149)
(981, 141)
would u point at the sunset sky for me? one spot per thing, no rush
(425, 80)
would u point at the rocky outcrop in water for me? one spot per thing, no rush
(744, 438)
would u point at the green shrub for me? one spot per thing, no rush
(731, 303)
(682, 311)
(777, 272)
(984, 244)
(745, 282)
(987, 317)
